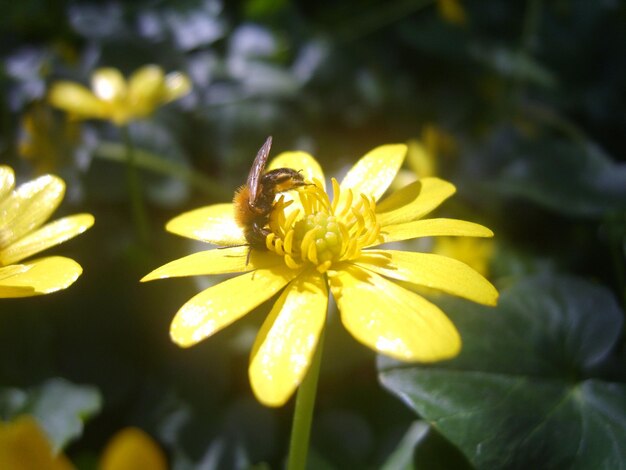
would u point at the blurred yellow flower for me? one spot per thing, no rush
(24, 446)
(424, 155)
(46, 141)
(115, 99)
(132, 449)
(421, 160)
(452, 11)
(474, 252)
(23, 212)
(315, 243)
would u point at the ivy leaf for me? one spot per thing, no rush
(59, 406)
(570, 177)
(530, 388)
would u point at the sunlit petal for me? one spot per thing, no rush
(29, 207)
(12, 270)
(212, 224)
(285, 344)
(429, 270)
(7, 181)
(145, 87)
(433, 228)
(13, 292)
(177, 84)
(132, 449)
(475, 252)
(300, 161)
(220, 305)
(374, 172)
(47, 236)
(391, 319)
(217, 261)
(413, 201)
(25, 446)
(44, 275)
(76, 99)
(108, 84)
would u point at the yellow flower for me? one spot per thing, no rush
(23, 212)
(425, 155)
(117, 100)
(24, 446)
(132, 449)
(474, 252)
(452, 11)
(315, 243)
(45, 141)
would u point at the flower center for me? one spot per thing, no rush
(320, 232)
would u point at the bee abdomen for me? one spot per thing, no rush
(256, 234)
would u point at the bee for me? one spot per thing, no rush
(254, 200)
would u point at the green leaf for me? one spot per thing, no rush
(510, 63)
(159, 164)
(59, 406)
(529, 388)
(570, 177)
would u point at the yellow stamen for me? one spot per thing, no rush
(322, 232)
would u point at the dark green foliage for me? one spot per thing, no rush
(531, 93)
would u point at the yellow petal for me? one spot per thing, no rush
(429, 270)
(177, 84)
(28, 207)
(433, 228)
(44, 276)
(13, 292)
(24, 446)
(284, 347)
(109, 84)
(413, 201)
(217, 261)
(76, 99)
(47, 236)
(300, 161)
(132, 449)
(145, 88)
(475, 252)
(374, 172)
(392, 320)
(220, 305)
(12, 270)
(212, 224)
(420, 159)
(7, 180)
(7, 292)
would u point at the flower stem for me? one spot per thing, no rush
(138, 209)
(303, 413)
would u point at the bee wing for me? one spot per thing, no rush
(257, 170)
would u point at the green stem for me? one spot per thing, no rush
(303, 413)
(151, 162)
(138, 209)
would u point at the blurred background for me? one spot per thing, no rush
(519, 103)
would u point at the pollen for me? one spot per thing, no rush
(317, 231)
